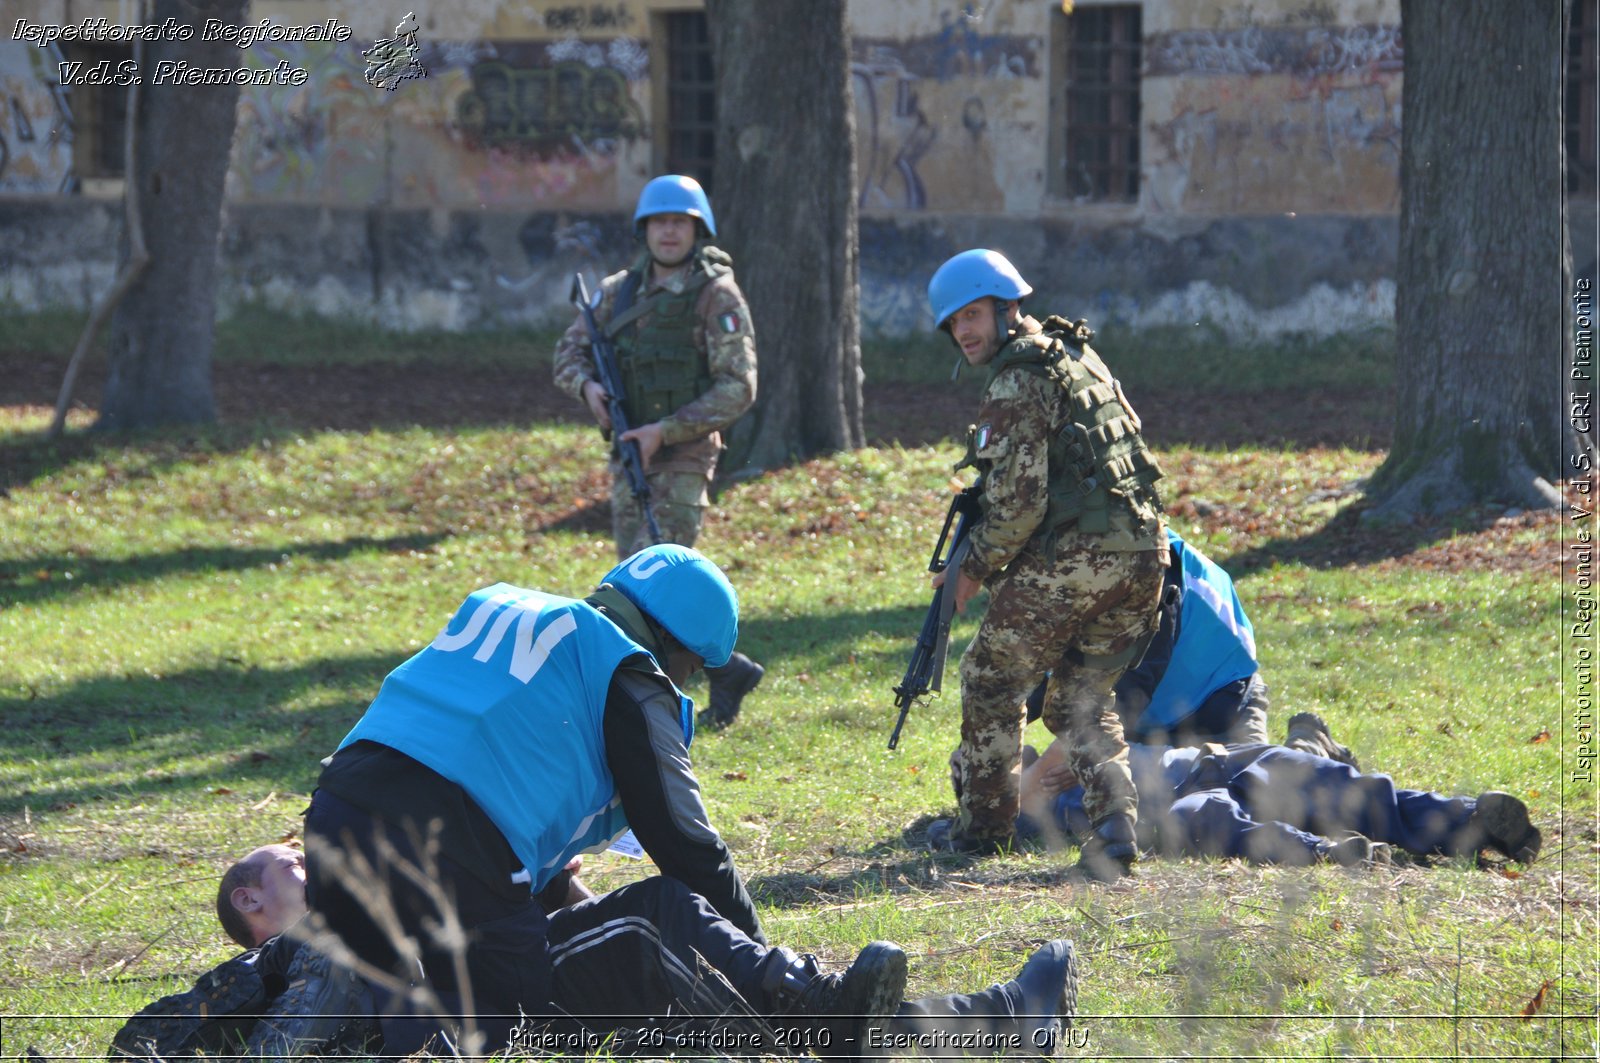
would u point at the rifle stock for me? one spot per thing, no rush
(605, 361)
(925, 673)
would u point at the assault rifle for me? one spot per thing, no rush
(926, 671)
(605, 361)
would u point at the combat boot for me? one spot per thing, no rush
(1110, 851)
(1048, 985)
(729, 684)
(1500, 821)
(946, 836)
(848, 1010)
(1309, 733)
(1026, 1015)
(213, 1018)
(325, 1009)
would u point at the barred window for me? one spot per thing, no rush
(99, 112)
(1097, 56)
(691, 97)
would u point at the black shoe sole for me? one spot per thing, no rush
(324, 1007)
(199, 1020)
(875, 986)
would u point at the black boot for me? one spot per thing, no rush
(1500, 822)
(850, 1011)
(946, 836)
(1309, 733)
(1110, 851)
(213, 1018)
(1025, 1016)
(325, 1009)
(729, 684)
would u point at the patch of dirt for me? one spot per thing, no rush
(917, 414)
(355, 397)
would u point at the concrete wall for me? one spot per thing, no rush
(1269, 140)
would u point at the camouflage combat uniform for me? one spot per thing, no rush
(720, 366)
(1072, 593)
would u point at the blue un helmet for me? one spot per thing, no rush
(973, 275)
(686, 594)
(674, 194)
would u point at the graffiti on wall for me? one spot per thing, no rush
(893, 134)
(500, 122)
(547, 107)
(321, 140)
(1311, 51)
(960, 49)
(910, 93)
(1284, 118)
(35, 121)
(567, 93)
(1336, 148)
(594, 18)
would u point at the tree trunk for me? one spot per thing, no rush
(785, 201)
(1482, 265)
(161, 334)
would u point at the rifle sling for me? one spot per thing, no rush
(623, 311)
(626, 312)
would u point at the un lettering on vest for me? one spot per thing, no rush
(529, 651)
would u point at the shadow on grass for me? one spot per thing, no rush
(1346, 540)
(896, 864)
(142, 724)
(841, 635)
(25, 459)
(91, 574)
(145, 722)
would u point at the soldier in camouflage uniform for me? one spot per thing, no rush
(1072, 546)
(687, 356)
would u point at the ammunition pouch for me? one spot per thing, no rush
(1098, 460)
(662, 367)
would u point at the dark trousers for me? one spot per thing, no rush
(1269, 804)
(637, 951)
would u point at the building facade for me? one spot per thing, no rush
(1232, 163)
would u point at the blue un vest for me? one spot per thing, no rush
(508, 703)
(1215, 643)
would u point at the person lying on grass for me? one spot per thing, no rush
(1268, 804)
(275, 1000)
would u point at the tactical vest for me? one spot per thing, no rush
(1098, 459)
(662, 368)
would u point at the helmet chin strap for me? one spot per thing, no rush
(1003, 332)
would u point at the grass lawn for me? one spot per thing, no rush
(191, 619)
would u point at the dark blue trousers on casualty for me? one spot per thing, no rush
(634, 952)
(1272, 805)
(1269, 804)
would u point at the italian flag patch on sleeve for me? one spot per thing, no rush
(729, 323)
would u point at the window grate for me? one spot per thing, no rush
(1102, 57)
(100, 111)
(691, 97)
